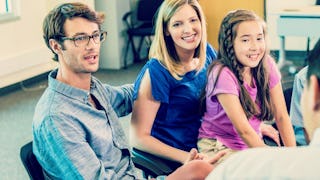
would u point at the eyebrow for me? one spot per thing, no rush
(179, 20)
(83, 33)
(248, 35)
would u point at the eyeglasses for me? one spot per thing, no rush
(83, 40)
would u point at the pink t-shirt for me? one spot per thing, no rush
(215, 122)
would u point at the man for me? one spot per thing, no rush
(295, 107)
(284, 163)
(295, 110)
(76, 130)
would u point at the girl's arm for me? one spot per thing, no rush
(281, 116)
(144, 112)
(232, 106)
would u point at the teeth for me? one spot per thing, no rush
(90, 57)
(188, 38)
(253, 56)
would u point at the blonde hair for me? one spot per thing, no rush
(162, 47)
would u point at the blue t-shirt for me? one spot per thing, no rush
(178, 119)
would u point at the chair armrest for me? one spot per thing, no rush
(151, 164)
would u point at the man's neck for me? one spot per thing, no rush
(78, 80)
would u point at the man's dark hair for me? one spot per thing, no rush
(53, 24)
(314, 62)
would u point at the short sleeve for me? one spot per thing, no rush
(160, 81)
(226, 82)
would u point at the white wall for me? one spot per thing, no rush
(292, 43)
(23, 51)
(112, 50)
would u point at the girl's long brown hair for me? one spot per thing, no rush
(227, 58)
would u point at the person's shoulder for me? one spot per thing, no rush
(155, 66)
(269, 162)
(211, 51)
(302, 73)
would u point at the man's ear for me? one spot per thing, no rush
(55, 46)
(314, 84)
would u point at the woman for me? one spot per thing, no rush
(165, 116)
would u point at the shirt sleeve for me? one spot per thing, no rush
(226, 83)
(160, 81)
(67, 150)
(121, 98)
(160, 84)
(295, 110)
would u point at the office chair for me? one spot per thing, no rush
(143, 28)
(152, 165)
(30, 162)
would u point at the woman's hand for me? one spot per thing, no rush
(194, 155)
(270, 131)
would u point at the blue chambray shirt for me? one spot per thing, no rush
(73, 140)
(300, 81)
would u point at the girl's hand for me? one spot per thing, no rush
(270, 131)
(194, 155)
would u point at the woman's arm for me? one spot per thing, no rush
(144, 112)
(281, 116)
(232, 106)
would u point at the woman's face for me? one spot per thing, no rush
(249, 44)
(184, 27)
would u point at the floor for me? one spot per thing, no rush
(17, 106)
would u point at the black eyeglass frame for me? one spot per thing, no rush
(102, 34)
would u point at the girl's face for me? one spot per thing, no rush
(249, 44)
(184, 27)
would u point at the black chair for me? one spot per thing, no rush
(151, 165)
(142, 28)
(30, 162)
(287, 96)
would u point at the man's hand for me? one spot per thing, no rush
(194, 155)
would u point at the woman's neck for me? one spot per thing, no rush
(188, 62)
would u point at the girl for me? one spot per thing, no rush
(243, 89)
(165, 116)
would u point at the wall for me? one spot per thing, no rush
(292, 43)
(23, 52)
(217, 9)
(112, 50)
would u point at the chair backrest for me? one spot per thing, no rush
(146, 9)
(30, 162)
(287, 96)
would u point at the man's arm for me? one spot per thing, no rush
(61, 148)
(121, 98)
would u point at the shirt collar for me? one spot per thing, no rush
(68, 90)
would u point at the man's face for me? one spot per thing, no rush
(80, 58)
